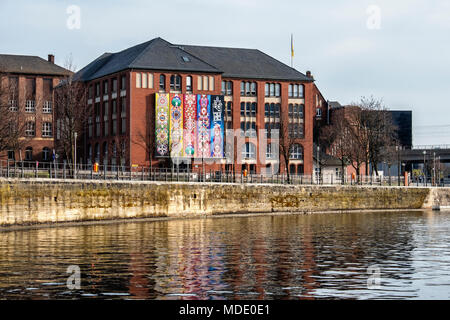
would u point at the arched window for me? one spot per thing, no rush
(249, 151)
(188, 83)
(89, 157)
(296, 152)
(29, 154)
(105, 153)
(97, 152)
(301, 92)
(45, 154)
(175, 82)
(162, 82)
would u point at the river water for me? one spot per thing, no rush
(376, 255)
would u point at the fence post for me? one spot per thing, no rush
(117, 173)
(64, 170)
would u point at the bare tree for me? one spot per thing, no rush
(377, 128)
(286, 142)
(12, 120)
(71, 113)
(335, 136)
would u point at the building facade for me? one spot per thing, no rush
(28, 83)
(259, 94)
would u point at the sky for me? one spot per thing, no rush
(397, 51)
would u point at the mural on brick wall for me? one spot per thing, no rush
(217, 126)
(162, 124)
(176, 126)
(189, 125)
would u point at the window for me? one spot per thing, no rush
(123, 115)
(105, 119)
(30, 129)
(144, 81)
(269, 151)
(45, 154)
(249, 151)
(296, 152)
(97, 89)
(90, 127)
(205, 83)
(318, 112)
(123, 83)
(13, 106)
(199, 83)
(105, 152)
(188, 83)
(114, 85)
(272, 89)
(138, 80)
(296, 91)
(150, 80)
(248, 89)
(47, 107)
(105, 87)
(227, 88)
(30, 106)
(11, 155)
(90, 92)
(277, 90)
(97, 152)
(175, 82)
(211, 83)
(162, 82)
(28, 154)
(266, 90)
(47, 129)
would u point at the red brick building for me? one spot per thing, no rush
(29, 81)
(259, 92)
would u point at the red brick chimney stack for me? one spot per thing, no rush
(51, 58)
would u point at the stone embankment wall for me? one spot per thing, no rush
(26, 202)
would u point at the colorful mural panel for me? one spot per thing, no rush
(190, 125)
(203, 126)
(217, 126)
(162, 124)
(176, 126)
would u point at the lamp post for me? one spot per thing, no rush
(424, 167)
(75, 135)
(318, 164)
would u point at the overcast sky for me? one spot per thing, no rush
(395, 50)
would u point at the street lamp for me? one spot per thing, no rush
(75, 135)
(424, 166)
(318, 164)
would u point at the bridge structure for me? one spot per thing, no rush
(424, 154)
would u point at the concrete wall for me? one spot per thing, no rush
(50, 201)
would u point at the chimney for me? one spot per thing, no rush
(51, 58)
(309, 75)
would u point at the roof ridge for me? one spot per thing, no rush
(148, 44)
(198, 58)
(218, 47)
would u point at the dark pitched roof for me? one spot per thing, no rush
(334, 105)
(30, 65)
(246, 63)
(156, 54)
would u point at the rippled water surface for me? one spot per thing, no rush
(267, 257)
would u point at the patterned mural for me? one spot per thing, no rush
(204, 136)
(189, 125)
(217, 126)
(162, 124)
(176, 126)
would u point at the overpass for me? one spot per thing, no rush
(419, 154)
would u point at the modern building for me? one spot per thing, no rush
(258, 92)
(28, 82)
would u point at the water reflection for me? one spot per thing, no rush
(269, 257)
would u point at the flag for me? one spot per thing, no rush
(292, 45)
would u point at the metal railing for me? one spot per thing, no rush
(54, 170)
